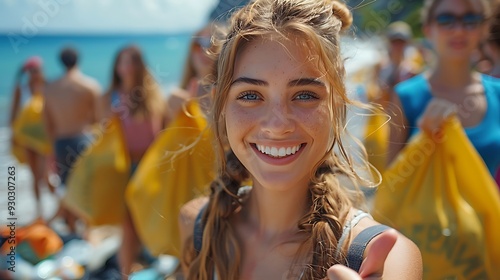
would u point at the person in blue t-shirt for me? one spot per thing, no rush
(455, 29)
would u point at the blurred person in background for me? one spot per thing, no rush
(135, 97)
(188, 174)
(27, 103)
(400, 64)
(455, 29)
(402, 61)
(197, 67)
(492, 48)
(70, 110)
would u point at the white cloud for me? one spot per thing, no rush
(103, 16)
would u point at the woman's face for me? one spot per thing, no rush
(202, 63)
(125, 66)
(278, 113)
(35, 74)
(455, 28)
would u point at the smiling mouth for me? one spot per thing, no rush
(278, 152)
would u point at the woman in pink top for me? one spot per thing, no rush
(135, 98)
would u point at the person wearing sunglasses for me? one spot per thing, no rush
(197, 67)
(451, 86)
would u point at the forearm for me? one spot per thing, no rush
(48, 124)
(15, 105)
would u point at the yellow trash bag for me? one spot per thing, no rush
(96, 184)
(376, 134)
(28, 129)
(441, 195)
(376, 140)
(177, 167)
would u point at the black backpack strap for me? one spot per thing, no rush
(198, 229)
(358, 245)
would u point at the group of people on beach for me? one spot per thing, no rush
(272, 87)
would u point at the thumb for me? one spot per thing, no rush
(340, 272)
(376, 254)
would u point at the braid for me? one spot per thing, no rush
(224, 200)
(324, 221)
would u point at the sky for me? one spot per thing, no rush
(28, 17)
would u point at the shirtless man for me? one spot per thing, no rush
(70, 108)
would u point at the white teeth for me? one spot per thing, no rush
(278, 152)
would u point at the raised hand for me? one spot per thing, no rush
(374, 259)
(436, 112)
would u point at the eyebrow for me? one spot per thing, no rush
(306, 82)
(246, 80)
(293, 83)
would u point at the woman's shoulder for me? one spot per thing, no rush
(410, 86)
(188, 214)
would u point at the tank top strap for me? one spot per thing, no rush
(347, 229)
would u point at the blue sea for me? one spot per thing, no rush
(165, 56)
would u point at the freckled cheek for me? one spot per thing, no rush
(318, 125)
(235, 113)
(237, 120)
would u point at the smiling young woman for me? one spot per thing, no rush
(279, 112)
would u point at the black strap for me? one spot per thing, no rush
(358, 245)
(198, 229)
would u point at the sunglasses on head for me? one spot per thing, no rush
(450, 21)
(203, 42)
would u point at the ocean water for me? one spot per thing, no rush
(164, 54)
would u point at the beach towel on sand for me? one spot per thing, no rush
(29, 131)
(176, 168)
(440, 194)
(34, 243)
(97, 182)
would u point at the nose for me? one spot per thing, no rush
(458, 27)
(277, 120)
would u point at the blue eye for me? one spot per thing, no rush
(306, 96)
(248, 96)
